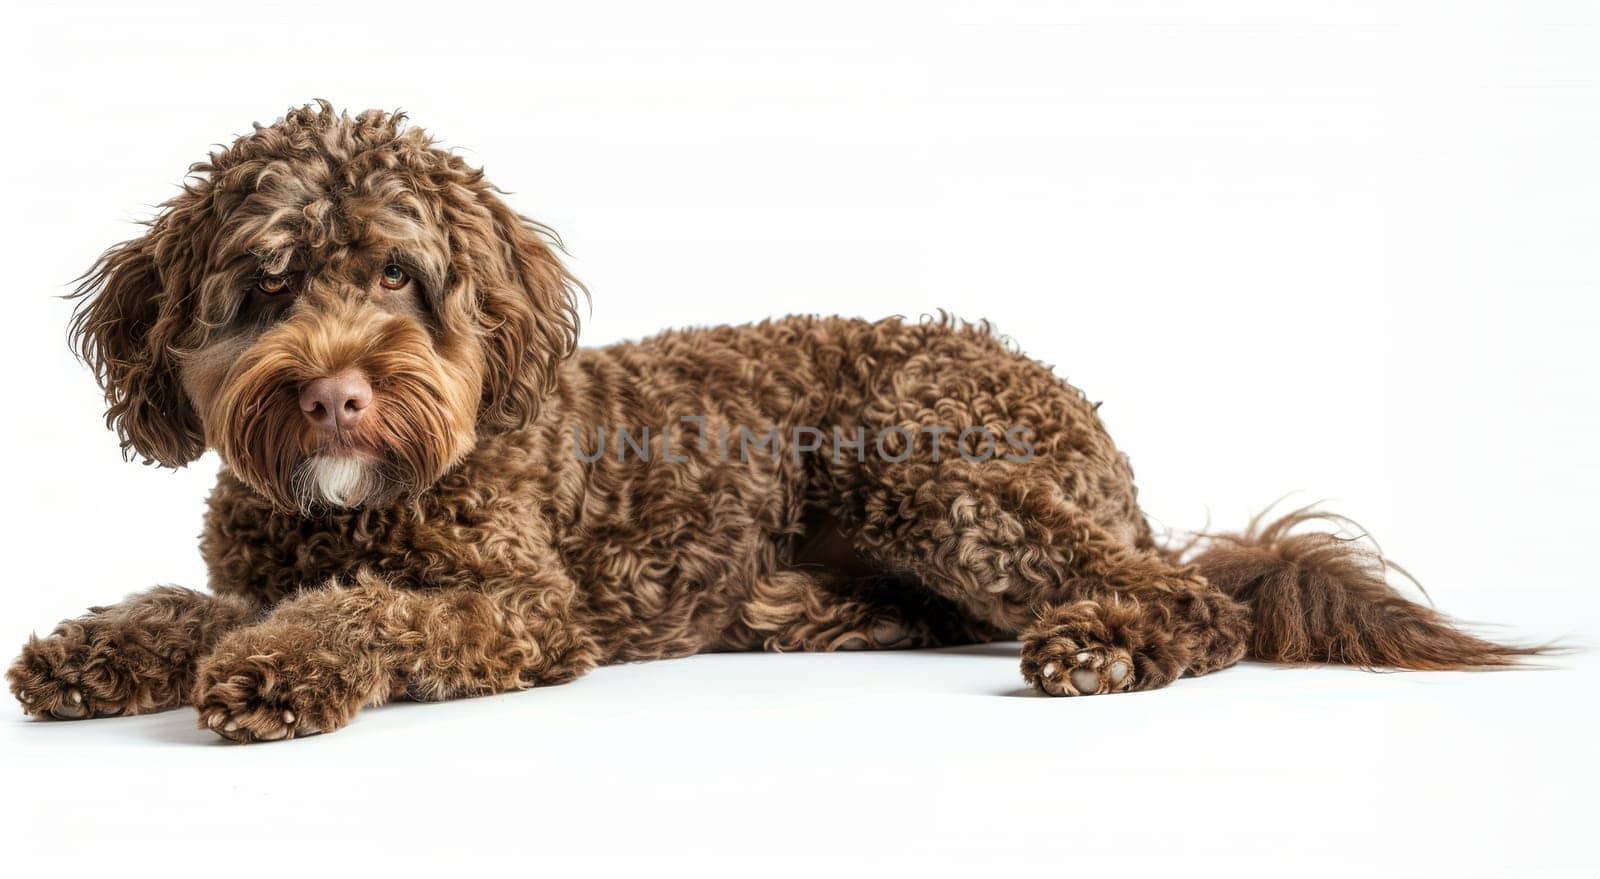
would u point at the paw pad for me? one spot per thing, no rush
(1056, 671)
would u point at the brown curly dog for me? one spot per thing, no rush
(429, 491)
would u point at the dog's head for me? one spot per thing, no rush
(336, 306)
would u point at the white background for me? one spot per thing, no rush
(1345, 249)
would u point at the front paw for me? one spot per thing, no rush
(86, 668)
(275, 682)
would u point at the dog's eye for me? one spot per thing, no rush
(394, 277)
(273, 284)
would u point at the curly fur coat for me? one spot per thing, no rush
(418, 500)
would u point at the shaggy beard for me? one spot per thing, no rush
(419, 425)
(337, 481)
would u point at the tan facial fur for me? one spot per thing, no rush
(268, 272)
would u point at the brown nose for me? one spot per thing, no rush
(337, 402)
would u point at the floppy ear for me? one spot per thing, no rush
(528, 312)
(124, 328)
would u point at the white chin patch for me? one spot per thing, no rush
(339, 481)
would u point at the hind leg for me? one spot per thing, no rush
(1096, 612)
(1114, 641)
(804, 609)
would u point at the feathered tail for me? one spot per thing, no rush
(1319, 597)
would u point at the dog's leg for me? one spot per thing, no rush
(130, 658)
(1096, 613)
(813, 610)
(1137, 624)
(319, 657)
